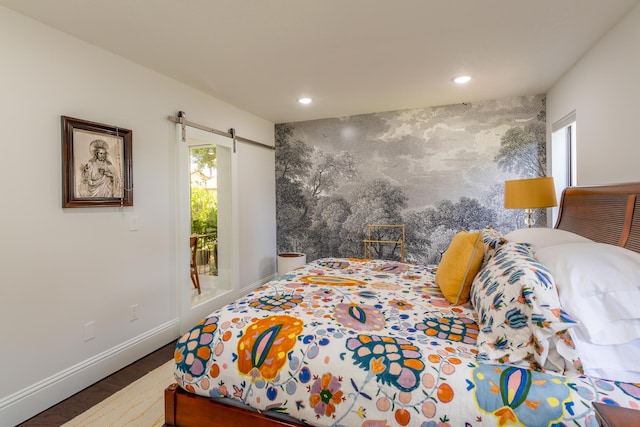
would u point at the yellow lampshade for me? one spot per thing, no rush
(532, 193)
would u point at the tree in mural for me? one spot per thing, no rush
(324, 235)
(418, 226)
(426, 238)
(430, 231)
(374, 202)
(293, 163)
(504, 220)
(293, 156)
(523, 150)
(467, 213)
(440, 238)
(304, 177)
(328, 169)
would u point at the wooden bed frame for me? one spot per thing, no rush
(608, 214)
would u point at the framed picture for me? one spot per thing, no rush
(96, 164)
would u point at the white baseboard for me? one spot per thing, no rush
(253, 286)
(32, 400)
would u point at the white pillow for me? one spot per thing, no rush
(599, 285)
(611, 362)
(543, 237)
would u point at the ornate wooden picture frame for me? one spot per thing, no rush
(96, 164)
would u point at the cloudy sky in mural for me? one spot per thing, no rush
(433, 153)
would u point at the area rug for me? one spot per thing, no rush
(141, 403)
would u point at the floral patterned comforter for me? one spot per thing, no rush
(346, 342)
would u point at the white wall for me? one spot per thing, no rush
(603, 89)
(61, 268)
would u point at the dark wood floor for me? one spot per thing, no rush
(85, 399)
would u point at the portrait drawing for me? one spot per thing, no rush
(97, 167)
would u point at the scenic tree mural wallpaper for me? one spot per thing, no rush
(436, 170)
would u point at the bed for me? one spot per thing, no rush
(350, 342)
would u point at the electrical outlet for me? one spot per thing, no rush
(89, 331)
(133, 312)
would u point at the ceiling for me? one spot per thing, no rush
(350, 56)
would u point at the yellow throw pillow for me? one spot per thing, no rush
(459, 266)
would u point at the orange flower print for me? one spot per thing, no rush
(394, 267)
(394, 361)
(325, 395)
(193, 349)
(331, 281)
(361, 317)
(276, 303)
(401, 304)
(459, 329)
(265, 344)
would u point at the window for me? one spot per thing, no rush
(563, 156)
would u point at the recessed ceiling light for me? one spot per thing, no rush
(462, 79)
(305, 100)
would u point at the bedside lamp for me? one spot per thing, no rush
(529, 194)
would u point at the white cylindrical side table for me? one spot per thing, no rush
(288, 261)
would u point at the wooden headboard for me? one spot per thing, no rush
(607, 213)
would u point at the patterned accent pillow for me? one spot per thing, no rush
(518, 309)
(492, 240)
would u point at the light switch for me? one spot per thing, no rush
(133, 223)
